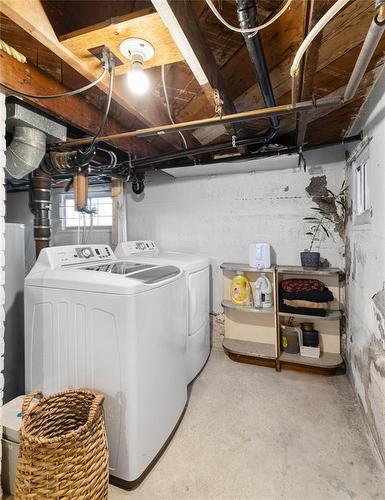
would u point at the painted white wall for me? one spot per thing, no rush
(366, 276)
(219, 216)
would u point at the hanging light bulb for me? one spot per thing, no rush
(138, 51)
(138, 81)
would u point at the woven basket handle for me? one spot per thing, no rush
(28, 399)
(96, 407)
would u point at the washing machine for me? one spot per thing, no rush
(197, 273)
(92, 321)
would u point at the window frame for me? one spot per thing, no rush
(362, 206)
(91, 195)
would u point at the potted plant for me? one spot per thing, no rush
(331, 212)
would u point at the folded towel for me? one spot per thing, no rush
(306, 303)
(306, 311)
(312, 296)
(302, 285)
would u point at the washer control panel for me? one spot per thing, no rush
(139, 247)
(77, 254)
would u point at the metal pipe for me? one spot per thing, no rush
(286, 109)
(247, 17)
(373, 36)
(208, 148)
(40, 206)
(249, 157)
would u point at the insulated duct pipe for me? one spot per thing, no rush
(25, 152)
(40, 204)
(373, 36)
(247, 16)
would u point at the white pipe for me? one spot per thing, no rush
(369, 46)
(313, 33)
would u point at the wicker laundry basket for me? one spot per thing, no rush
(63, 449)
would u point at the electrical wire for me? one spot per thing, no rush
(313, 33)
(253, 30)
(168, 106)
(56, 96)
(107, 110)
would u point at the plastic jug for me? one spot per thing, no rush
(264, 287)
(240, 290)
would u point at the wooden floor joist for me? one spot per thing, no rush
(73, 110)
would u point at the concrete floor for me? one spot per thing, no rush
(252, 433)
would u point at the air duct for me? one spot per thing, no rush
(25, 152)
(31, 132)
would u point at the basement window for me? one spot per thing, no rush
(362, 206)
(99, 203)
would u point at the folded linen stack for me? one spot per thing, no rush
(304, 296)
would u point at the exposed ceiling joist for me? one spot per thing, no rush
(316, 9)
(180, 19)
(74, 110)
(139, 24)
(30, 16)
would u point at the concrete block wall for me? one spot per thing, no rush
(365, 249)
(2, 247)
(218, 216)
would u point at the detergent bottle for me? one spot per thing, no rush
(264, 287)
(240, 290)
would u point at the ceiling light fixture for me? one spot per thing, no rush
(137, 51)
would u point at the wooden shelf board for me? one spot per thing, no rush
(236, 266)
(247, 348)
(227, 304)
(330, 316)
(327, 360)
(327, 271)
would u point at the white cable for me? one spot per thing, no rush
(91, 227)
(313, 33)
(168, 106)
(253, 30)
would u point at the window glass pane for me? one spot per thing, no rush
(102, 216)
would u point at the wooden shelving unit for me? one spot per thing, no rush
(250, 333)
(253, 335)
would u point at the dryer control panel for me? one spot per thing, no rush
(76, 254)
(139, 247)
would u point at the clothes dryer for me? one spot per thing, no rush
(197, 276)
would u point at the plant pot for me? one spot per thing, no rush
(310, 259)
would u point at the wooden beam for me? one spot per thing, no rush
(315, 10)
(31, 17)
(135, 25)
(74, 110)
(180, 19)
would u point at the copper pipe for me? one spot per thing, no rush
(286, 109)
(81, 191)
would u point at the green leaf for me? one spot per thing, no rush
(312, 219)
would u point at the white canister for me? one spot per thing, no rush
(259, 255)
